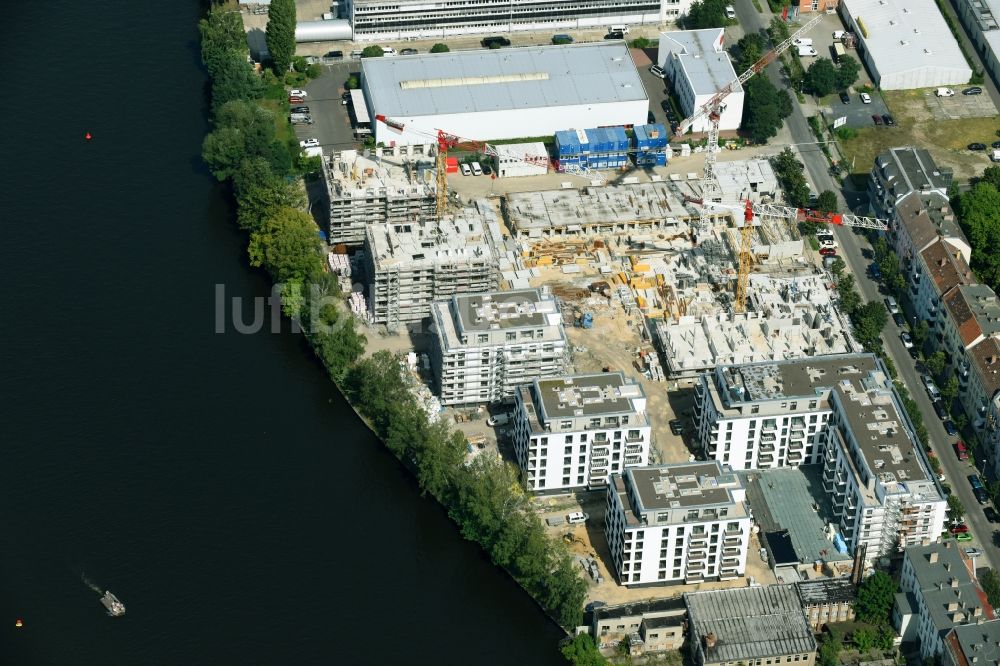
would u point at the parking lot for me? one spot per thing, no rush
(331, 119)
(959, 106)
(857, 113)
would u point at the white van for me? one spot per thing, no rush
(388, 52)
(477, 170)
(730, 12)
(944, 92)
(618, 28)
(466, 171)
(576, 518)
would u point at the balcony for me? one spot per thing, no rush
(633, 460)
(766, 458)
(600, 451)
(701, 537)
(769, 426)
(696, 568)
(634, 438)
(732, 540)
(730, 550)
(796, 444)
(633, 449)
(768, 438)
(794, 456)
(767, 447)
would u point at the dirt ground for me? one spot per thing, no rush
(944, 126)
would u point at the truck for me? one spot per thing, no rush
(839, 52)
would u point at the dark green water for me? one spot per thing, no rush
(217, 484)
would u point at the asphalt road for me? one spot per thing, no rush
(851, 251)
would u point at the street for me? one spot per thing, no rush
(851, 251)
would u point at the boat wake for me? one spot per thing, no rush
(89, 583)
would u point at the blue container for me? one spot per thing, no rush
(651, 136)
(567, 143)
(584, 140)
(661, 159)
(641, 137)
(619, 137)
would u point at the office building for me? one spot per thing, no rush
(697, 67)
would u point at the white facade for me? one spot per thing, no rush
(697, 67)
(884, 494)
(767, 415)
(572, 432)
(488, 344)
(521, 159)
(419, 19)
(905, 45)
(684, 522)
(503, 93)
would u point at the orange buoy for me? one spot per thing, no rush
(19, 623)
(87, 136)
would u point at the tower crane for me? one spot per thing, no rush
(713, 110)
(446, 142)
(753, 211)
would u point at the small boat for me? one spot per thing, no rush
(115, 607)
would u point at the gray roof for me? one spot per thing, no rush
(525, 308)
(795, 378)
(908, 169)
(980, 642)
(945, 583)
(707, 68)
(749, 623)
(826, 591)
(502, 79)
(599, 394)
(683, 485)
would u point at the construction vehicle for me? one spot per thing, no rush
(584, 320)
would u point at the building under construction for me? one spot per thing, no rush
(410, 265)
(366, 190)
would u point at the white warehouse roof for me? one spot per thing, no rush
(502, 79)
(704, 60)
(902, 37)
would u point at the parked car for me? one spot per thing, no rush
(974, 90)
(335, 55)
(301, 119)
(730, 12)
(961, 451)
(982, 496)
(677, 426)
(959, 528)
(977, 146)
(300, 109)
(875, 271)
(991, 514)
(888, 120)
(828, 251)
(577, 517)
(965, 536)
(939, 409)
(498, 419)
(495, 42)
(388, 52)
(877, 119)
(944, 92)
(949, 427)
(562, 39)
(899, 319)
(295, 100)
(802, 41)
(807, 52)
(615, 35)
(866, 98)
(476, 169)
(891, 305)
(844, 97)
(930, 386)
(409, 52)
(655, 70)
(905, 338)
(309, 143)
(295, 92)
(356, 55)
(466, 170)
(487, 169)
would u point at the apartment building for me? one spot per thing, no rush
(411, 265)
(685, 522)
(920, 219)
(373, 20)
(772, 414)
(939, 268)
(488, 344)
(899, 171)
(977, 643)
(573, 432)
(937, 593)
(884, 495)
(749, 625)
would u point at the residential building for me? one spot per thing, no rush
(884, 495)
(939, 268)
(937, 592)
(899, 171)
(415, 19)
(981, 395)
(749, 625)
(975, 644)
(827, 600)
(685, 522)
(488, 344)
(502, 93)
(573, 432)
(972, 315)
(365, 190)
(652, 626)
(765, 415)
(697, 66)
(980, 20)
(411, 265)
(905, 45)
(920, 219)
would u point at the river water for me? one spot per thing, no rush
(217, 483)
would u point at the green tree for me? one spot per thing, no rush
(637, 43)
(764, 109)
(991, 175)
(261, 193)
(440, 48)
(935, 363)
(829, 653)
(280, 34)
(979, 210)
(864, 640)
(920, 332)
(837, 268)
(875, 596)
(850, 300)
(990, 582)
(373, 51)
(706, 14)
(827, 201)
(748, 51)
(956, 510)
(287, 245)
(821, 77)
(949, 391)
(352, 83)
(243, 131)
(847, 73)
(581, 651)
(869, 320)
(221, 36)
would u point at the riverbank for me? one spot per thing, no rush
(248, 149)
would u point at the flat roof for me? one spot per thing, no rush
(826, 590)
(360, 107)
(749, 623)
(472, 236)
(523, 308)
(682, 485)
(903, 36)
(796, 378)
(502, 79)
(704, 62)
(598, 394)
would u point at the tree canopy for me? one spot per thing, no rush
(440, 48)
(287, 245)
(875, 597)
(979, 210)
(821, 77)
(990, 583)
(748, 50)
(706, 14)
(373, 51)
(827, 201)
(764, 109)
(280, 34)
(956, 510)
(581, 651)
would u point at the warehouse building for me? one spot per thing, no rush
(677, 523)
(365, 190)
(374, 20)
(572, 432)
(486, 345)
(503, 93)
(698, 67)
(766, 415)
(980, 20)
(905, 45)
(409, 266)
